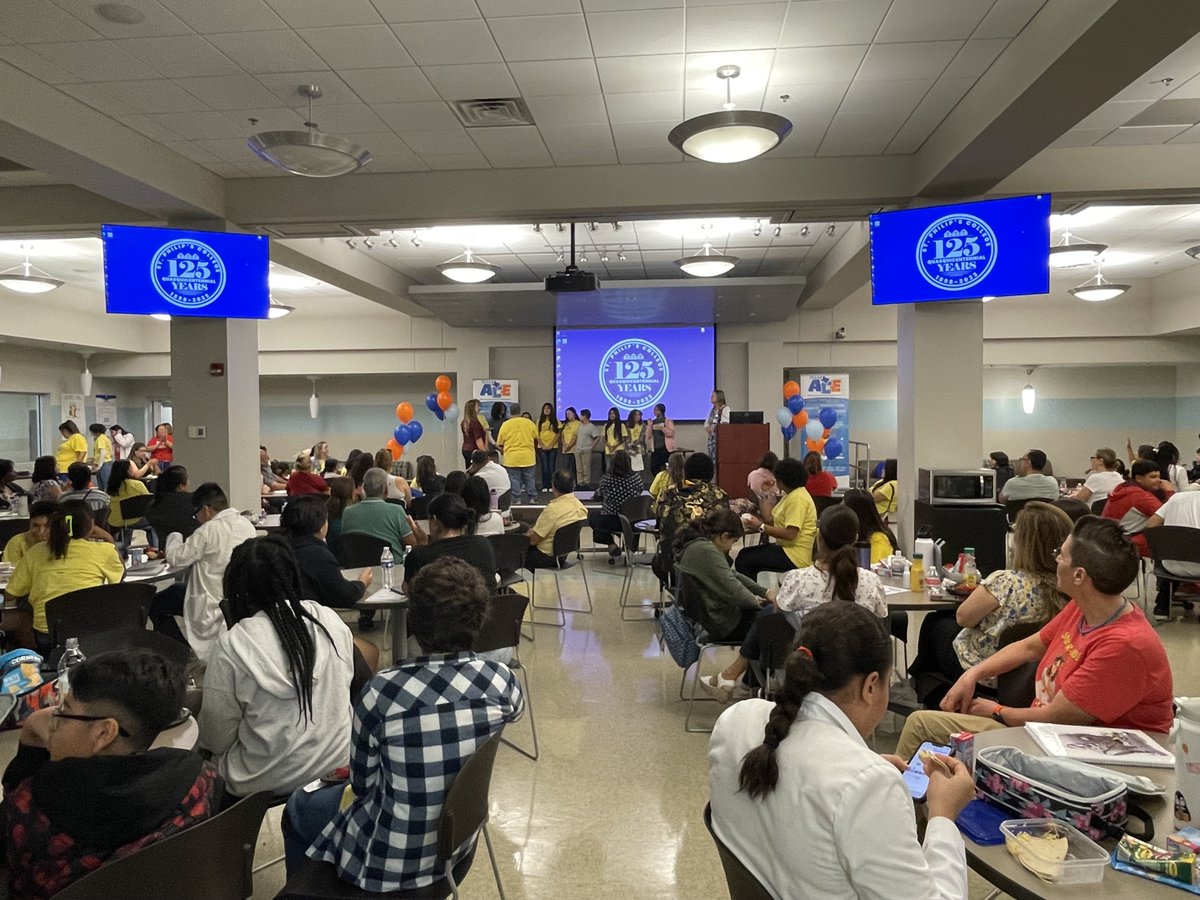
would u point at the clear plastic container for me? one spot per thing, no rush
(1086, 860)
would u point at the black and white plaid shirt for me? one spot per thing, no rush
(414, 729)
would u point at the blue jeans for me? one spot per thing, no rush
(548, 460)
(304, 818)
(101, 476)
(521, 478)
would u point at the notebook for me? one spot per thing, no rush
(1104, 746)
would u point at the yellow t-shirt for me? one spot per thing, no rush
(881, 547)
(888, 489)
(659, 484)
(562, 510)
(547, 435)
(41, 578)
(635, 433)
(69, 450)
(611, 442)
(570, 430)
(130, 487)
(797, 509)
(102, 451)
(16, 548)
(517, 438)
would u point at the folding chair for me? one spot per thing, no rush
(420, 507)
(504, 501)
(97, 609)
(742, 883)
(1016, 687)
(501, 629)
(633, 561)
(510, 551)
(357, 550)
(133, 509)
(776, 640)
(1176, 543)
(566, 542)
(684, 596)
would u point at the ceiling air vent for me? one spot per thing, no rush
(500, 111)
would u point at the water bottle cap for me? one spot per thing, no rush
(970, 550)
(71, 644)
(918, 556)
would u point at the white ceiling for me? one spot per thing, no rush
(1143, 241)
(605, 79)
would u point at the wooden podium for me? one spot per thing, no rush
(739, 448)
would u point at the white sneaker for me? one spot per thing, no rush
(723, 690)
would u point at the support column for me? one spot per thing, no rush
(939, 395)
(224, 408)
(766, 362)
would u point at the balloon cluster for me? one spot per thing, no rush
(409, 431)
(793, 416)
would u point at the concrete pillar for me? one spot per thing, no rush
(766, 362)
(939, 395)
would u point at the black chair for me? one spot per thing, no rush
(209, 861)
(501, 629)
(638, 509)
(823, 503)
(566, 542)
(420, 507)
(634, 561)
(509, 550)
(1013, 507)
(1016, 688)
(742, 883)
(776, 640)
(898, 628)
(464, 815)
(1174, 542)
(504, 501)
(395, 500)
(356, 550)
(10, 528)
(102, 608)
(118, 639)
(133, 509)
(1098, 507)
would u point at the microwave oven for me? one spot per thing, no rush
(956, 487)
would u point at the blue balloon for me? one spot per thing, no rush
(402, 434)
(828, 416)
(833, 448)
(789, 431)
(415, 430)
(432, 405)
(795, 403)
(438, 412)
(783, 416)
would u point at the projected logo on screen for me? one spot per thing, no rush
(634, 374)
(187, 273)
(956, 252)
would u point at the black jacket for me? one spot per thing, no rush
(322, 574)
(474, 549)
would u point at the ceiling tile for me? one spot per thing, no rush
(630, 74)
(33, 23)
(499, 8)
(468, 82)
(807, 106)
(406, 117)
(357, 47)
(1082, 137)
(276, 119)
(448, 43)
(560, 111)
(158, 19)
(230, 150)
(268, 51)
(200, 125)
(651, 106)
(1169, 112)
(396, 161)
(1148, 134)
(218, 16)
(97, 61)
(632, 156)
(1113, 113)
(748, 27)
(146, 125)
(580, 145)
(441, 143)
(820, 23)
(347, 118)
(38, 66)
(932, 20)
(390, 85)
(926, 59)
(591, 6)
(645, 136)
(556, 77)
(541, 37)
(453, 161)
(318, 13)
(860, 134)
(426, 10)
(974, 58)
(928, 115)
(181, 56)
(1007, 18)
(285, 86)
(231, 92)
(895, 97)
(99, 98)
(817, 65)
(1191, 136)
(701, 70)
(636, 32)
(191, 150)
(226, 170)
(153, 96)
(516, 147)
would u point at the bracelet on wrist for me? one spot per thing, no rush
(998, 714)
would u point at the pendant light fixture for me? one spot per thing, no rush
(1028, 394)
(466, 268)
(1098, 289)
(1065, 255)
(314, 402)
(732, 135)
(27, 278)
(85, 377)
(277, 310)
(706, 263)
(311, 153)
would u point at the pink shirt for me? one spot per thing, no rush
(757, 481)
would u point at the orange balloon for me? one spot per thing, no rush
(816, 446)
(826, 433)
(404, 411)
(444, 400)
(394, 448)
(800, 419)
(790, 389)
(442, 384)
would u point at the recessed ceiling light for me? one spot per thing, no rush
(120, 13)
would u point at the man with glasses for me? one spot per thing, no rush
(1099, 661)
(1031, 484)
(85, 787)
(207, 552)
(1102, 479)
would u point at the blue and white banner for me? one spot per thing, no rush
(827, 401)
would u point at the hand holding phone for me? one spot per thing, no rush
(915, 775)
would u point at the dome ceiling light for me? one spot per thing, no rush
(1065, 255)
(1098, 289)
(466, 268)
(732, 135)
(26, 278)
(311, 153)
(706, 264)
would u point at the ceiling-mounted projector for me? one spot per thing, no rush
(572, 280)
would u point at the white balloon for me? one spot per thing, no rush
(814, 429)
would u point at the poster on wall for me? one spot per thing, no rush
(827, 402)
(106, 409)
(72, 408)
(492, 390)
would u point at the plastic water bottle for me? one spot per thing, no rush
(71, 657)
(970, 570)
(387, 562)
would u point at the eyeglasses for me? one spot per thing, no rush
(75, 717)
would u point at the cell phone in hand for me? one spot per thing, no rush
(914, 776)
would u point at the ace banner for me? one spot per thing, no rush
(827, 431)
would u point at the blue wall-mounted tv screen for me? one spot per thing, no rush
(634, 368)
(996, 248)
(185, 273)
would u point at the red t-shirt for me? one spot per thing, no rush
(821, 484)
(305, 483)
(472, 433)
(163, 451)
(1118, 673)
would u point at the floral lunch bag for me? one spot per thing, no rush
(1036, 787)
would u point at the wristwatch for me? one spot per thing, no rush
(998, 714)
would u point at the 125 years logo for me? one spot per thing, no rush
(188, 273)
(956, 252)
(634, 374)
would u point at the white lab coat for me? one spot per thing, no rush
(839, 824)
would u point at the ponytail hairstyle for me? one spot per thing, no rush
(836, 642)
(837, 530)
(452, 512)
(72, 519)
(262, 576)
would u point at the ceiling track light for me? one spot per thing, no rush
(706, 263)
(621, 257)
(350, 243)
(369, 244)
(616, 226)
(831, 230)
(593, 226)
(27, 278)
(416, 241)
(537, 229)
(778, 230)
(1098, 289)
(757, 227)
(603, 256)
(561, 228)
(559, 257)
(1065, 255)
(310, 153)
(392, 243)
(732, 135)
(804, 231)
(466, 268)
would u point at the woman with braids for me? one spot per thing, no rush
(277, 691)
(806, 805)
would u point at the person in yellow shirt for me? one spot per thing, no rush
(570, 433)
(65, 562)
(121, 486)
(517, 439)
(792, 522)
(549, 442)
(39, 530)
(670, 476)
(563, 509)
(616, 436)
(884, 490)
(870, 525)
(73, 449)
(101, 460)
